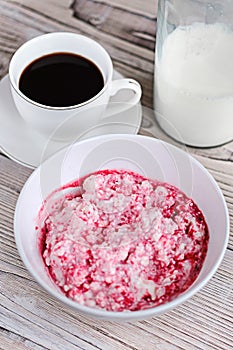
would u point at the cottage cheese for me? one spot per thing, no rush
(122, 241)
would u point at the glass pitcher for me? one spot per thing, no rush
(193, 81)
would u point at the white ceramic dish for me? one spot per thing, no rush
(145, 155)
(28, 147)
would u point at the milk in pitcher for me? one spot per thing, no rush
(193, 91)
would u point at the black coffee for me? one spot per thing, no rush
(61, 80)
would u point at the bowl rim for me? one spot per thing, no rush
(122, 315)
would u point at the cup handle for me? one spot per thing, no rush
(122, 84)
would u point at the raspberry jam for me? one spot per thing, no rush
(122, 242)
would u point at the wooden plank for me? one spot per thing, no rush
(13, 341)
(150, 10)
(112, 19)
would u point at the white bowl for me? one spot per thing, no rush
(145, 155)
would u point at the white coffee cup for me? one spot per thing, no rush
(64, 123)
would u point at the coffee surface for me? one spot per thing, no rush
(61, 80)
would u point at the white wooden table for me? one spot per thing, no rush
(29, 317)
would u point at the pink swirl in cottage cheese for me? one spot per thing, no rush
(120, 241)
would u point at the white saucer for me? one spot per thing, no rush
(29, 148)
